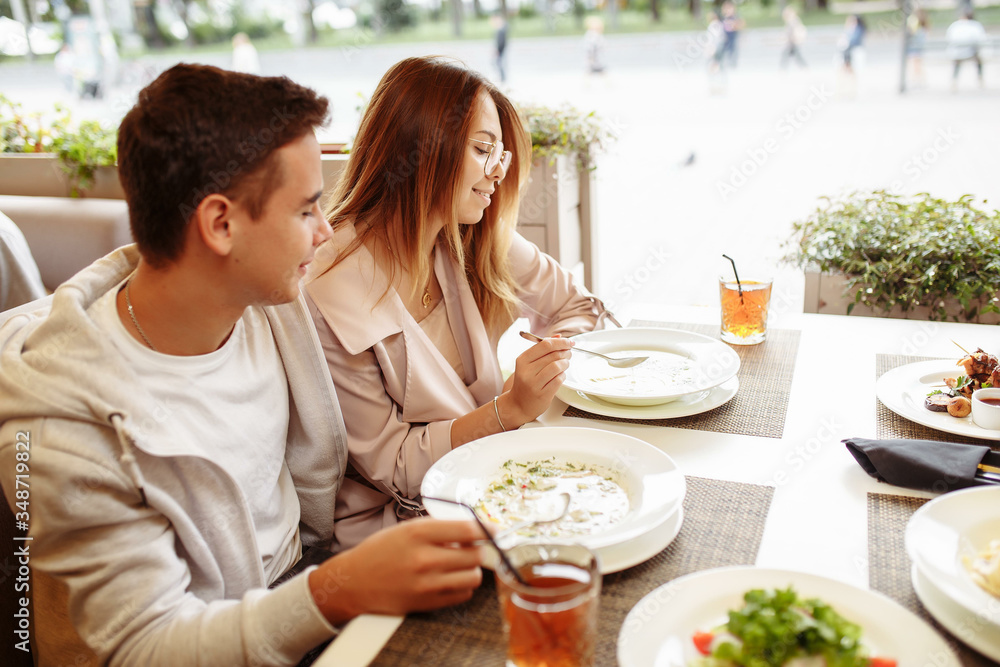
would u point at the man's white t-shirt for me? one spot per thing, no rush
(965, 38)
(246, 439)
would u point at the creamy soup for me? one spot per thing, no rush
(517, 495)
(985, 568)
(662, 372)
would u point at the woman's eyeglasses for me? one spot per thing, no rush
(497, 156)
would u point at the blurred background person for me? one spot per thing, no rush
(245, 57)
(499, 23)
(917, 26)
(966, 38)
(594, 43)
(90, 52)
(64, 67)
(110, 61)
(731, 26)
(851, 45)
(795, 37)
(713, 51)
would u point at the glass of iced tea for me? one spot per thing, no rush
(553, 620)
(744, 310)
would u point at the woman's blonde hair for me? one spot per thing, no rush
(406, 164)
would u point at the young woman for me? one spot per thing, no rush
(422, 276)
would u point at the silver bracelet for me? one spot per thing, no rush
(497, 411)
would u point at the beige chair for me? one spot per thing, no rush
(66, 235)
(53, 640)
(20, 281)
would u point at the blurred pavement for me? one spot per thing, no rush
(766, 145)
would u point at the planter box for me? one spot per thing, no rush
(332, 148)
(333, 167)
(824, 293)
(556, 214)
(42, 176)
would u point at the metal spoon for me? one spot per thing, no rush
(550, 508)
(623, 362)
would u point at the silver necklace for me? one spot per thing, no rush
(131, 313)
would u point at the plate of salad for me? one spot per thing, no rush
(754, 617)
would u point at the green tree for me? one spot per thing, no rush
(456, 17)
(394, 15)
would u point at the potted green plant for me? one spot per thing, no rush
(556, 206)
(566, 131)
(916, 257)
(49, 154)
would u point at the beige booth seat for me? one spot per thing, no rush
(66, 235)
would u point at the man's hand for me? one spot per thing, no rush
(415, 566)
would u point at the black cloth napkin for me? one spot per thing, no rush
(923, 464)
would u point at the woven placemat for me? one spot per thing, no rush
(890, 425)
(889, 566)
(723, 525)
(759, 406)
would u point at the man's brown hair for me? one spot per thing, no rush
(198, 130)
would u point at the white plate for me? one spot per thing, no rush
(978, 633)
(657, 631)
(654, 485)
(943, 532)
(619, 557)
(904, 389)
(692, 404)
(707, 362)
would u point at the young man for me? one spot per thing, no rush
(180, 437)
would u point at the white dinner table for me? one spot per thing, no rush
(817, 522)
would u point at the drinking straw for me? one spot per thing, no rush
(739, 287)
